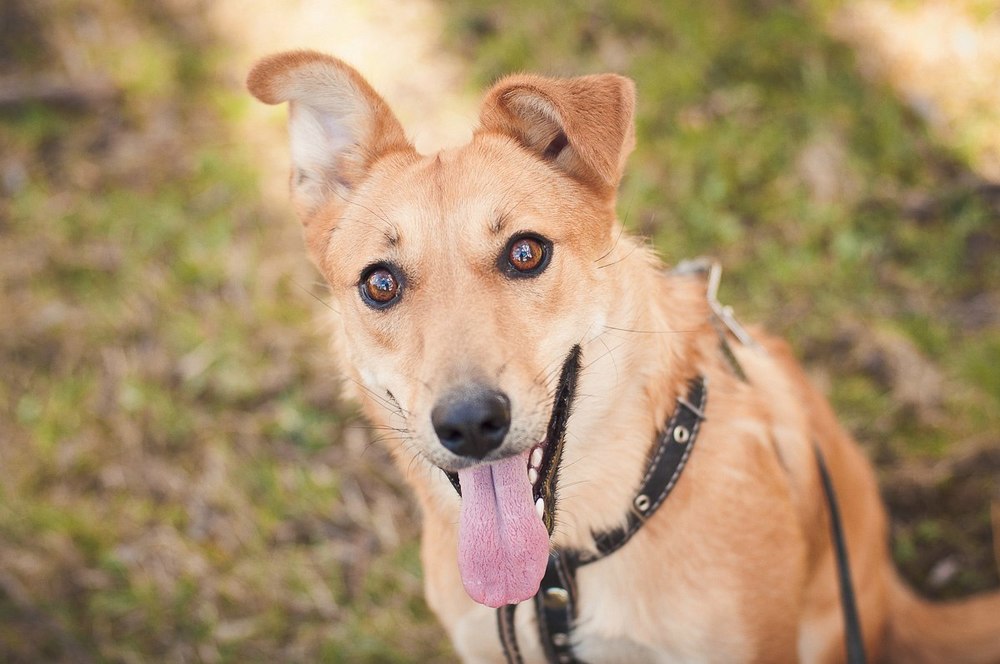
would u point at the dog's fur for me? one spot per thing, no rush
(738, 564)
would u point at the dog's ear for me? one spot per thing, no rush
(338, 124)
(583, 125)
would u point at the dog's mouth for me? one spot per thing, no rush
(509, 508)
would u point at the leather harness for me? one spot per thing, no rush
(557, 599)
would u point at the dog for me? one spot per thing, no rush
(530, 355)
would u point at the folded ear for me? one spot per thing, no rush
(338, 125)
(583, 125)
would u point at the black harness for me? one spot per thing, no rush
(556, 600)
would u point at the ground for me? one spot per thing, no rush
(179, 479)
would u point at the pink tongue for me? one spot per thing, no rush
(502, 543)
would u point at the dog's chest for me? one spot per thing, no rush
(606, 629)
(477, 642)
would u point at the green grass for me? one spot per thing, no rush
(179, 480)
(172, 476)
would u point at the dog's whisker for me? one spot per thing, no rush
(393, 237)
(548, 373)
(583, 396)
(605, 354)
(574, 483)
(417, 457)
(625, 329)
(395, 402)
(507, 211)
(379, 427)
(393, 437)
(405, 448)
(570, 464)
(621, 231)
(631, 251)
(611, 355)
(316, 297)
(388, 406)
(547, 369)
(389, 235)
(582, 340)
(503, 215)
(391, 405)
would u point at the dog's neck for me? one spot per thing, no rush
(634, 369)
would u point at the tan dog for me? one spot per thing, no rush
(472, 284)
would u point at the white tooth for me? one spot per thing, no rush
(532, 475)
(540, 507)
(536, 457)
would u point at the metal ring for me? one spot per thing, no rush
(642, 502)
(681, 434)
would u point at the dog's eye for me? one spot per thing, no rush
(527, 255)
(379, 287)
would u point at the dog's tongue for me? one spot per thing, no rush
(503, 545)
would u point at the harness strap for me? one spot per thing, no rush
(508, 635)
(668, 460)
(853, 638)
(555, 606)
(556, 599)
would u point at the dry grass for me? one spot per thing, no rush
(180, 481)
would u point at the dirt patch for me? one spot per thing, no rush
(941, 521)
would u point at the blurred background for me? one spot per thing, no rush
(179, 480)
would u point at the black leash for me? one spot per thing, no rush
(853, 639)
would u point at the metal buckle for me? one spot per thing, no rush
(724, 312)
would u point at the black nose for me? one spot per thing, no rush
(472, 422)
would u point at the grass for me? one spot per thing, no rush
(179, 480)
(174, 464)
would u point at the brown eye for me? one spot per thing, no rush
(527, 255)
(379, 287)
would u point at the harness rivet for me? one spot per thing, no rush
(642, 502)
(560, 640)
(681, 434)
(555, 598)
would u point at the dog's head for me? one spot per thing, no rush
(466, 282)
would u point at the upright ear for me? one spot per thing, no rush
(583, 125)
(338, 125)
